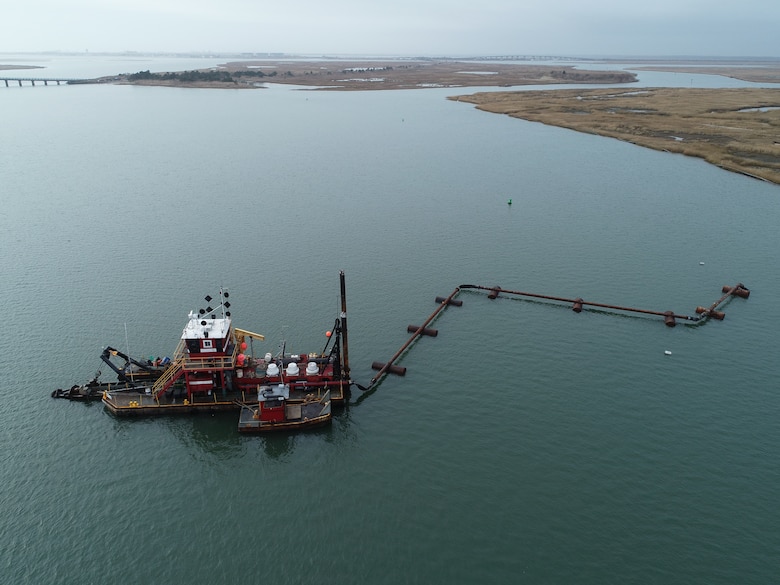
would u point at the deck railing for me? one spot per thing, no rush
(171, 373)
(226, 362)
(182, 362)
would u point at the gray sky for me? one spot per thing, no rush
(397, 27)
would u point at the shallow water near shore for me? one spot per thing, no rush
(526, 443)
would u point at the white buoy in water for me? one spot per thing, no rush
(701, 263)
(667, 352)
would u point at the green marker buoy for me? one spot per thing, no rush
(509, 202)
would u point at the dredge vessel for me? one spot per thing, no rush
(212, 371)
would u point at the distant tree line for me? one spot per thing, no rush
(193, 76)
(366, 69)
(596, 77)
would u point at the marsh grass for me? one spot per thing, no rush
(736, 129)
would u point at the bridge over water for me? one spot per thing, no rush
(44, 80)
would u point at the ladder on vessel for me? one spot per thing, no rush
(173, 373)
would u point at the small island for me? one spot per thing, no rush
(359, 75)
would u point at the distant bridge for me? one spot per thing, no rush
(524, 58)
(43, 80)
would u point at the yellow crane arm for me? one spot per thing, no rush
(244, 332)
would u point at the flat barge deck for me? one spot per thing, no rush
(143, 403)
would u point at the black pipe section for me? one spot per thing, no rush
(385, 368)
(345, 343)
(670, 317)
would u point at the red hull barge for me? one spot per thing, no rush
(211, 371)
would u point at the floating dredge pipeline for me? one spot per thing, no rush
(577, 304)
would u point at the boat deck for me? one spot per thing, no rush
(144, 404)
(307, 414)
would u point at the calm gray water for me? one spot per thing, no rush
(527, 444)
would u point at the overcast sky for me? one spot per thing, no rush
(397, 27)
